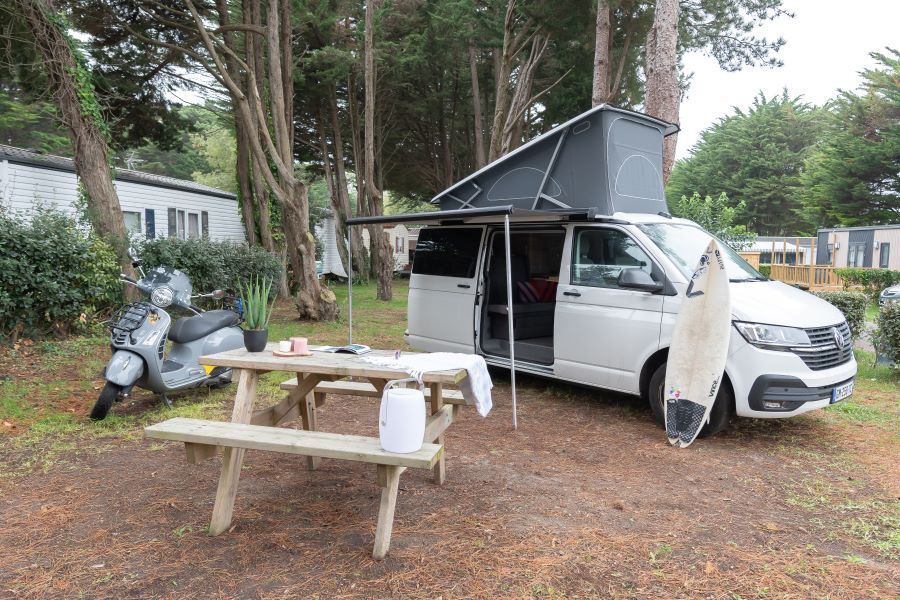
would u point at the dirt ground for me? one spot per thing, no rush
(585, 500)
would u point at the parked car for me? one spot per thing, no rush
(578, 320)
(891, 294)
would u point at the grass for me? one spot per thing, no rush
(871, 311)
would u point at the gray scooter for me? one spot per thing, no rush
(138, 340)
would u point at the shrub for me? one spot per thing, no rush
(887, 333)
(766, 270)
(871, 280)
(852, 304)
(51, 272)
(212, 265)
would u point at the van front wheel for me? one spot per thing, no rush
(719, 417)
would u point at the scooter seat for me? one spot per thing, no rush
(188, 329)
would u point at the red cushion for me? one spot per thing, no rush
(545, 290)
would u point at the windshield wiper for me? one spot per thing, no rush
(748, 279)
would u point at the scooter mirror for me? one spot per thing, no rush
(218, 294)
(133, 254)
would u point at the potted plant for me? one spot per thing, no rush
(257, 312)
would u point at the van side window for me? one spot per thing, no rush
(601, 254)
(447, 252)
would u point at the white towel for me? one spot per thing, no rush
(476, 388)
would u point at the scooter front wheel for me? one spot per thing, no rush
(107, 397)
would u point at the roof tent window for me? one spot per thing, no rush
(449, 252)
(635, 164)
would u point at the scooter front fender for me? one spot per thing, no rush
(124, 368)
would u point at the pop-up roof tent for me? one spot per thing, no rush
(604, 161)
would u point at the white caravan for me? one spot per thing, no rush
(595, 304)
(598, 269)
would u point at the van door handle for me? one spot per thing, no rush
(575, 293)
(463, 285)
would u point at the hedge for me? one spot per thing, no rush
(852, 304)
(766, 270)
(210, 264)
(52, 271)
(871, 280)
(887, 333)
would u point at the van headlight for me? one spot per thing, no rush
(774, 337)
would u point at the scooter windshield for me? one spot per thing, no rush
(173, 278)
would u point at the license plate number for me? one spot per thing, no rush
(841, 392)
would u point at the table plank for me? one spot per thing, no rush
(322, 363)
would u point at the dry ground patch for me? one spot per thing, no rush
(585, 500)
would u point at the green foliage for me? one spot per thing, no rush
(872, 280)
(887, 332)
(716, 216)
(211, 264)
(30, 123)
(257, 309)
(51, 273)
(756, 157)
(852, 304)
(853, 177)
(766, 270)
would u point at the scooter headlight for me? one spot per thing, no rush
(162, 296)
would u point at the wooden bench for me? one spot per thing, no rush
(202, 439)
(439, 421)
(365, 389)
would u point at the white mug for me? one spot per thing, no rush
(284, 345)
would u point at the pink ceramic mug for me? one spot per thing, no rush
(298, 344)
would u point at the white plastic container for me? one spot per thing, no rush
(401, 421)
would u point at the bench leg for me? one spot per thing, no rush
(437, 401)
(389, 480)
(310, 423)
(233, 458)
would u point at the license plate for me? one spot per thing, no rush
(842, 391)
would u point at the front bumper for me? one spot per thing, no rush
(781, 393)
(759, 375)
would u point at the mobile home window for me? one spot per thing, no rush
(193, 225)
(884, 255)
(181, 224)
(132, 221)
(856, 254)
(447, 252)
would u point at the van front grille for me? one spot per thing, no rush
(825, 351)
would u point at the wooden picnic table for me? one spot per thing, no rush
(310, 371)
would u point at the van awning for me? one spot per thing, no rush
(490, 214)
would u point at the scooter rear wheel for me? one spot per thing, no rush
(107, 397)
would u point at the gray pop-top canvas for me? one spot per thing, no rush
(606, 158)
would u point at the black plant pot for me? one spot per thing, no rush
(255, 339)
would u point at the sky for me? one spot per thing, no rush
(827, 43)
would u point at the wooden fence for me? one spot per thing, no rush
(813, 277)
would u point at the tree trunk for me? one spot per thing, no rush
(382, 262)
(362, 208)
(79, 112)
(600, 87)
(337, 206)
(480, 158)
(663, 94)
(360, 259)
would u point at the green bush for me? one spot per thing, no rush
(51, 272)
(766, 270)
(212, 265)
(887, 333)
(852, 304)
(871, 280)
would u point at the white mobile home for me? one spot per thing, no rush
(152, 205)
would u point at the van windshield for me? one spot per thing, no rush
(685, 243)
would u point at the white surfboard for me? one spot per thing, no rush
(698, 350)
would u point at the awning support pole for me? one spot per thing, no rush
(509, 318)
(349, 287)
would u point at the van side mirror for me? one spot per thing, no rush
(636, 279)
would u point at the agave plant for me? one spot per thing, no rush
(257, 310)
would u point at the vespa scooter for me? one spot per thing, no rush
(138, 335)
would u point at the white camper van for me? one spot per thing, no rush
(595, 304)
(598, 270)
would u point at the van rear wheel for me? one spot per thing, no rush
(719, 417)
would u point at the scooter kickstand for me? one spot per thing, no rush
(167, 401)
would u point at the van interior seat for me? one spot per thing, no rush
(530, 320)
